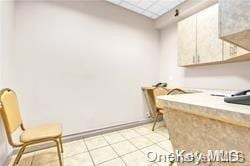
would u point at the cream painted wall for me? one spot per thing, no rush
(83, 64)
(7, 10)
(234, 76)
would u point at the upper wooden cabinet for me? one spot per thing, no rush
(209, 46)
(199, 43)
(234, 25)
(187, 41)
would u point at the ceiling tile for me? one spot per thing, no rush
(114, 1)
(161, 12)
(131, 7)
(155, 8)
(145, 4)
(133, 2)
(138, 10)
(127, 5)
(148, 14)
(149, 8)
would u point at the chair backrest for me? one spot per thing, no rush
(10, 111)
(159, 91)
(176, 91)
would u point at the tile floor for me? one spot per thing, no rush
(127, 147)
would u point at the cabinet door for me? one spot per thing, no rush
(209, 46)
(235, 22)
(241, 51)
(231, 51)
(187, 41)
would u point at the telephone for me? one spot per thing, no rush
(245, 92)
(242, 97)
(160, 85)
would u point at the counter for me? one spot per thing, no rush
(204, 104)
(201, 122)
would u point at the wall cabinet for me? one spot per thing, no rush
(187, 41)
(199, 43)
(234, 25)
(209, 46)
(232, 51)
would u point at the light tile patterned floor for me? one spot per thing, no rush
(127, 147)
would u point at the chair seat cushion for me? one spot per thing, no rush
(41, 132)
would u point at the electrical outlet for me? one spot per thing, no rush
(148, 114)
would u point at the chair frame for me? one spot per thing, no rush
(158, 110)
(22, 146)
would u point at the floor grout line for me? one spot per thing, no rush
(84, 141)
(137, 148)
(125, 139)
(140, 149)
(115, 150)
(110, 144)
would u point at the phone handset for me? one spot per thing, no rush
(241, 93)
(160, 85)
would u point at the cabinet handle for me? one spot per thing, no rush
(235, 50)
(231, 50)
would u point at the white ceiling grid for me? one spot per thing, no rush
(149, 8)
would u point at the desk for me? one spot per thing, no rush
(150, 99)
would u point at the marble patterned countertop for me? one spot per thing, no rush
(214, 107)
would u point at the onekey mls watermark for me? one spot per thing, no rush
(211, 156)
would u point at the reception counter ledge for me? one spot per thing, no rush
(201, 122)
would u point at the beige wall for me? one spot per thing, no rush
(6, 50)
(83, 64)
(235, 76)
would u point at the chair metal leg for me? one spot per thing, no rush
(156, 118)
(59, 153)
(19, 155)
(60, 140)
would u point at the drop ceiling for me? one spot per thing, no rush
(150, 8)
